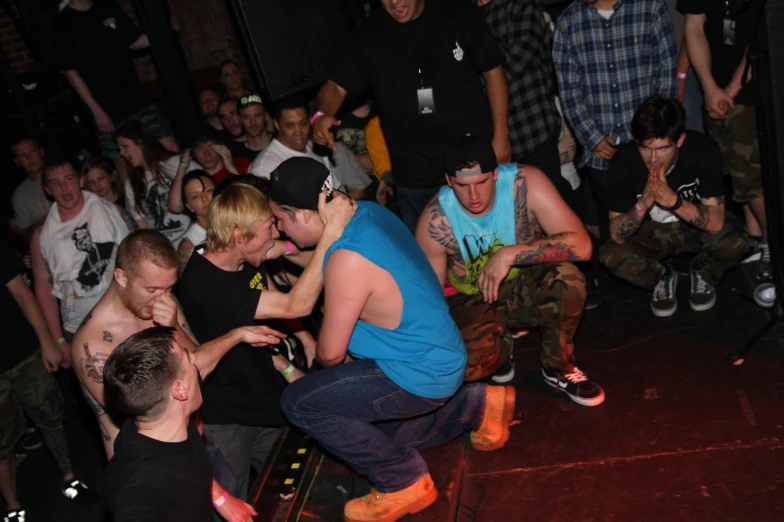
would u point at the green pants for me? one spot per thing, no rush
(550, 296)
(639, 259)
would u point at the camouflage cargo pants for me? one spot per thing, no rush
(639, 259)
(550, 296)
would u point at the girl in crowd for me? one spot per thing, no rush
(231, 78)
(153, 168)
(197, 190)
(101, 179)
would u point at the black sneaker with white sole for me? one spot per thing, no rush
(575, 384)
(506, 373)
(702, 295)
(663, 302)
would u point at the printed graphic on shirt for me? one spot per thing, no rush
(689, 192)
(110, 22)
(97, 257)
(259, 282)
(458, 52)
(158, 207)
(479, 250)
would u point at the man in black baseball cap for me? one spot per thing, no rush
(385, 314)
(502, 235)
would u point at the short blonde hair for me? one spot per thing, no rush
(240, 207)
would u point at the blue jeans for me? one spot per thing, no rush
(357, 413)
(412, 202)
(692, 103)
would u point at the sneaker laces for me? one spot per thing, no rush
(764, 252)
(660, 292)
(700, 285)
(575, 376)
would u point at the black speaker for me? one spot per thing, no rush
(292, 45)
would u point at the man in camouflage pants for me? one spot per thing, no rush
(504, 242)
(666, 197)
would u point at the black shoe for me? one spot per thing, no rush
(506, 373)
(592, 297)
(30, 440)
(15, 515)
(663, 303)
(77, 491)
(575, 384)
(703, 294)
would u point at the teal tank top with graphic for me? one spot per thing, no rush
(481, 237)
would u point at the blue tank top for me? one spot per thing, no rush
(480, 237)
(425, 354)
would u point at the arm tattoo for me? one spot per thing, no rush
(523, 222)
(93, 364)
(629, 225)
(184, 325)
(107, 337)
(440, 230)
(551, 249)
(701, 219)
(183, 254)
(99, 412)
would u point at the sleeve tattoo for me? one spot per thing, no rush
(439, 229)
(99, 412)
(93, 364)
(551, 249)
(523, 223)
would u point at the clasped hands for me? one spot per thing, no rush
(657, 190)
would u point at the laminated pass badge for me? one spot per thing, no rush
(427, 104)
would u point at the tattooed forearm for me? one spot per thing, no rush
(701, 219)
(523, 230)
(552, 249)
(93, 364)
(630, 223)
(440, 230)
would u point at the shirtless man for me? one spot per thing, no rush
(138, 298)
(506, 241)
(384, 308)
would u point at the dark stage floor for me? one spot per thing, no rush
(683, 434)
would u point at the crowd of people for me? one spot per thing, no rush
(200, 298)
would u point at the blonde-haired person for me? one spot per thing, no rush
(226, 284)
(197, 190)
(101, 179)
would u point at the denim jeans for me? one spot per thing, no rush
(357, 413)
(692, 103)
(412, 202)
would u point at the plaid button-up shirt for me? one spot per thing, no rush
(521, 32)
(606, 68)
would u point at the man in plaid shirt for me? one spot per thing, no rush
(520, 29)
(609, 56)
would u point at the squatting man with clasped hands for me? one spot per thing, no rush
(666, 197)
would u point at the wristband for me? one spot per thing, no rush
(676, 206)
(289, 248)
(59, 341)
(682, 76)
(218, 502)
(287, 371)
(315, 116)
(185, 164)
(642, 210)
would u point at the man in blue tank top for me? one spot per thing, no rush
(504, 240)
(394, 359)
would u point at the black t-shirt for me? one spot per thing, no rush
(726, 55)
(96, 44)
(238, 148)
(697, 175)
(244, 388)
(148, 480)
(19, 339)
(451, 44)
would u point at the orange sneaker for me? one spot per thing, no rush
(499, 412)
(388, 507)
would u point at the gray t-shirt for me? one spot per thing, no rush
(29, 203)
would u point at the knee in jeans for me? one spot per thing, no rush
(292, 402)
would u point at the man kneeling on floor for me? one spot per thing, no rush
(674, 178)
(394, 358)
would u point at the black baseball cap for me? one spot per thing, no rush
(297, 183)
(470, 150)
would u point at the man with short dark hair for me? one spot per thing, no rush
(666, 197)
(393, 358)
(160, 470)
(253, 116)
(506, 241)
(208, 100)
(73, 253)
(234, 134)
(293, 140)
(29, 200)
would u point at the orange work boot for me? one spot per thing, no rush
(388, 507)
(499, 412)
